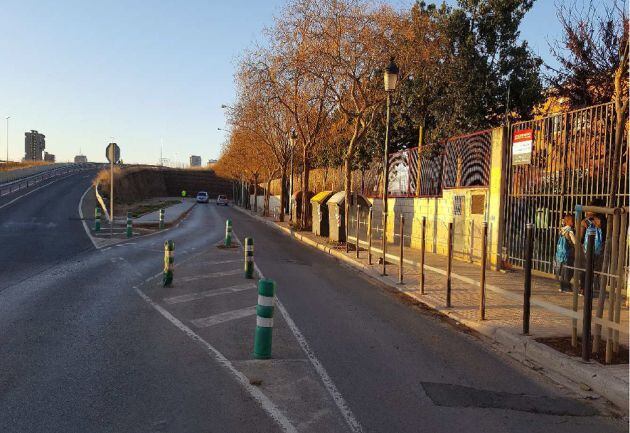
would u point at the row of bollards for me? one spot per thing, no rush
(265, 307)
(129, 222)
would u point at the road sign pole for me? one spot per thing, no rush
(111, 198)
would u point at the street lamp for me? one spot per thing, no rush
(8, 117)
(292, 141)
(390, 79)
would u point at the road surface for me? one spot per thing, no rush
(90, 342)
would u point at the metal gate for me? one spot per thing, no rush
(570, 163)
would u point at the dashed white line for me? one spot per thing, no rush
(268, 406)
(212, 275)
(227, 316)
(209, 293)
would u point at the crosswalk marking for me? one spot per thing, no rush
(208, 293)
(224, 317)
(212, 275)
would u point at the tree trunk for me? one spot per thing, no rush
(305, 220)
(267, 196)
(347, 186)
(283, 192)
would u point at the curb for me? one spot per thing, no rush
(521, 348)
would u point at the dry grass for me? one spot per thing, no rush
(9, 166)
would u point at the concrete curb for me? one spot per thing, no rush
(522, 348)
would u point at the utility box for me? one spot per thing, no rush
(319, 211)
(336, 213)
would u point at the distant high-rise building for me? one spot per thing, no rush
(49, 157)
(80, 159)
(211, 162)
(34, 145)
(195, 161)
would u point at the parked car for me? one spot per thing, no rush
(202, 197)
(222, 200)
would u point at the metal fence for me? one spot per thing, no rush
(570, 164)
(467, 160)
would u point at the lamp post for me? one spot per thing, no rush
(8, 117)
(390, 78)
(292, 140)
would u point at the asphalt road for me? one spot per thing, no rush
(80, 350)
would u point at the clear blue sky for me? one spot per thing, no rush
(138, 71)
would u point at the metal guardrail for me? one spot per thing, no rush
(28, 181)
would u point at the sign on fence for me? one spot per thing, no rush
(522, 147)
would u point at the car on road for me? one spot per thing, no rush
(202, 197)
(222, 200)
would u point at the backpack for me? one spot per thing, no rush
(598, 238)
(562, 250)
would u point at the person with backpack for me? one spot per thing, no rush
(594, 222)
(565, 253)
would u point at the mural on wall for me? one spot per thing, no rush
(403, 172)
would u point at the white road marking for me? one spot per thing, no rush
(85, 226)
(343, 407)
(225, 262)
(212, 275)
(209, 293)
(205, 322)
(268, 406)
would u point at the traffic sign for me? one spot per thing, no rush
(112, 153)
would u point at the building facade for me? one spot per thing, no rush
(80, 159)
(34, 145)
(49, 157)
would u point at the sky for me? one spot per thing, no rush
(140, 73)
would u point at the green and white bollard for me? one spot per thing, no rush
(228, 233)
(169, 259)
(161, 219)
(249, 258)
(97, 219)
(129, 225)
(264, 319)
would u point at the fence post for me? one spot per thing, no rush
(384, 243)
(369, 236)
(97, 219)
(588, 296)
(161, 219)
(577, 277)
(482, 285)
(249, 257)
(357, 233)
(228, 233)
(472, 239)
(527, 292)
(449, 262)
(621, 260)
(423, 241)
(264, 319)
(169, 259)
(129, 225)
(402, 246)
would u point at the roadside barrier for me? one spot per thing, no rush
(588, 297)
(423, 242)
(358, 228)
(129, 225)
(169, 260)
(97, 219)
(161, 219)
(402, 246)
(449, 264)
(369, 235)
(228, 233)
(249, 258)
(264, 319)
(482, 282)
(527, 284)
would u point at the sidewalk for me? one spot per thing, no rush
(550, 310)
(172, 214)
